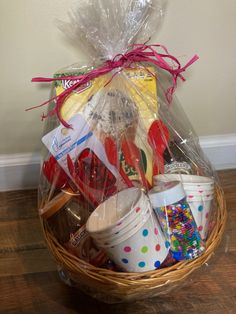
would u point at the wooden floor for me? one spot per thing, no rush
(29, 282)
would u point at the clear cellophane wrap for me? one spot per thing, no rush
(124, 184)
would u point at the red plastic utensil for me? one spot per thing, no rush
(133, 157)
(55, 174)
(93, 172)
(82, 188)
(111, 152)
(158, 137)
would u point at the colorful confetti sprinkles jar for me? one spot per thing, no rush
(174, 213)
(199, 191)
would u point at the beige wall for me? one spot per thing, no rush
(31, 45)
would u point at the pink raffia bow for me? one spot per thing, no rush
(140, 53)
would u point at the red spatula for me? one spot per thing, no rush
(112, 155)
(158, 137)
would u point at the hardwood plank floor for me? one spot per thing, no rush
(29, 282)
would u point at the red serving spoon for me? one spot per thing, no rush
(133, 157)
(158, 138)
(112, 155)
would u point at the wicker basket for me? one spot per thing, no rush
(111, 286)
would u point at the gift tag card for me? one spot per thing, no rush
(64, 141)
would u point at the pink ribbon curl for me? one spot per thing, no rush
(141, 53)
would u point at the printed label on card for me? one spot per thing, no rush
(63, 141)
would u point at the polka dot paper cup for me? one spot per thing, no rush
(137, 214)
(117, 234)
(207, 195)
(190, 182)
(116, 213)
(142, 249)
(126, 232)
(201, 210)
(198, 189)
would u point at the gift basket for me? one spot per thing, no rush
(129, 204)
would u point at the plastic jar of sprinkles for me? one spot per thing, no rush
(169, 202)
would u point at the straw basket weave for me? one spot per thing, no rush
(111, 286)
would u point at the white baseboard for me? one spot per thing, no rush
(21, 171)
(220, 150)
